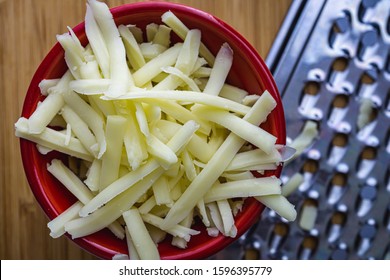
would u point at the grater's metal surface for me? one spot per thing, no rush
(328, 59)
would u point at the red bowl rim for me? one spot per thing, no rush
(253, 209)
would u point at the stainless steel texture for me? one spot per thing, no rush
(331, 62)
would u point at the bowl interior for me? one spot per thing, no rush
(248, 72)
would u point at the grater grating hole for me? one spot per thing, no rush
(277, 238)
(337, 148)
(340, 140)
(368, 77)
(309, 97)
(252, 254)
(366, 83)
(339, 179)
(367, 40)
(364, 6)
(366, 161)
(365, 237)
(368, 153)
(365, 201)
(310, 166)
(338, 218)
(336, 226)
(340, 26)
(339, 110)
(311, 88)
(340, 101)
(308, 171)
(308, 247)
(340, 64)
(337, 187)
(338, 71)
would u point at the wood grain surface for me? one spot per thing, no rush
(27, 32)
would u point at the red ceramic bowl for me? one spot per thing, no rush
(248, 72)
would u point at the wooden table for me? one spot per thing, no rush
(27, 32)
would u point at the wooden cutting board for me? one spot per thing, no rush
(27, 32)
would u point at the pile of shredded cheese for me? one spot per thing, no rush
(155, 135)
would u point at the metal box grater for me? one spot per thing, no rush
(331, 62)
